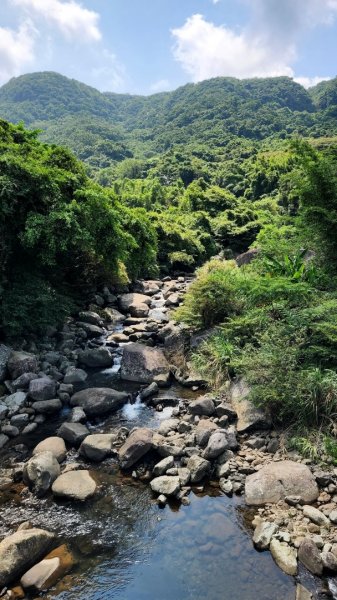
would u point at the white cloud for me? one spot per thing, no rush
(267, 46)
(110, 74)
(160, 86)
(308, 82)
(72, 19)
(16, 50)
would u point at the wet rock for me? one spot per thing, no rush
(263, 534)
(77, 415)
(118, 338)
(20, 551)
(73, 433)
(275, 481)
(40, 472)
(3, 411)
(329, 561)
(14, 402)
(149, 391)
(168, 486)
(5, 353)
(74, 485)
(284, 556)
(74, 375)
(42, 388)
(202, 406)
(161, 467)
(226, 486)
(92, 331)
(203, 431)
(310, 557)
(250, 418)
(96, 357)
(142, 364)
(21, 362)
(55, 445)
(47, 407)
(316, 516)
(47, 572)
(198, 467)
(98, 446)
(217, 444)
(29, 428)
(302, 593)
(20, 420)
(136, 446)
(99, 401)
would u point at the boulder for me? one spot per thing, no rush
(48, 571)
(98, 446)
(40, 472)
(168, 425)
(284, 556)
(263, 534)
(169, 486)
(202, 406)
(74, 375)
(250, 418)
(74, 485)
(22, 382)
(142, 364)
(309, 556)
(217, 444)
(113, 315)
(277, 480)
(203, 431)
(198, 467)
(161, 467)
(42, 388)
(21, 362)
(135, 304)
(20, 551)
(246, 257)
(55, 445)
(3, 440)
(99, 401)
(329, 561)
(47, 407)
(73, 433)
(149, 391)
(136, 446)
(14, 402)
(316, 516)
(92, 331)
(5, 353)
(89, 316)
(96, 357)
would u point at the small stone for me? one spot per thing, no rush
(316, 516)
(161, 467)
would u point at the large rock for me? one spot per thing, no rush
(20, 551)
(21, 362)
(22, 382)
(48, 571)
(74, 485)
(217, 444)
(14, 402)
(169, 486)
(42, 388)
(75, 375)
(113, 315)
(136, 446)
(96, 358)
(309, 556)
(40, 472)
(250, 418)
(203, 431)
(47, 407)
(135, 304)
(55, 445)
(89, 316)
(142, 364)
(98, 446)
(203, 406)
(277, 480)
(263, 534)
(73, 433)
(92, 331)
(161, 467)
(198, 467)
(5, 353)
(284, 556)
(99, 401)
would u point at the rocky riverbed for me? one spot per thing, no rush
(109, 410)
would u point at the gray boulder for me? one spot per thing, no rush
(96, 358)
(47, 407)
(99, 401)
(284, 556)
(277, 480)
(14, 402)
(198, 467)
(263, 534)
(42, 388)
(89, 316)
(217, 444)
(22, 382)
(22, 362)
(53, 444)
(92, 331)
(309, 556)
(142, 364)
(20, 551)
(136, 446)
(250, 418)
(203, 431)
(169, 486)
(40, 472)
(73, 433)
(203, 406)
(74, 375)
(161, 467)
(74, 485)
(98, 446)
(135, 304)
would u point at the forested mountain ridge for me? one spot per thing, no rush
(102, 128)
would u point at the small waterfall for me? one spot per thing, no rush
(131, 410)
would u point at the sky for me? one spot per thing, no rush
(149, 46)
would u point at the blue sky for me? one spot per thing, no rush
(145, 46)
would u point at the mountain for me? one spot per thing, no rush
(105, 128)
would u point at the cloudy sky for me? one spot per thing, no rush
(145, 46)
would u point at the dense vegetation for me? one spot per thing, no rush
(166, 184)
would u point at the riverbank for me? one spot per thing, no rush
(127, 341)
